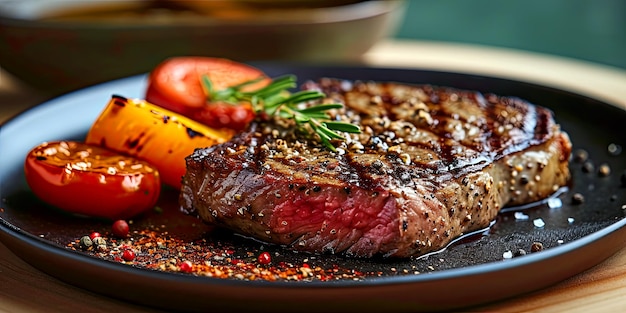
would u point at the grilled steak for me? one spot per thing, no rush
(431, 164)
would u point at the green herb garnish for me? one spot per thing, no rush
(275, 99)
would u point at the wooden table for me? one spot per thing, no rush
(602, 288)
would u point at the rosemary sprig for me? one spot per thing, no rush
(275, 99)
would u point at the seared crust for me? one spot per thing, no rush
(430, 165)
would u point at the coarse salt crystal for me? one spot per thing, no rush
(554, 203)
(539, 223)
(521, 216)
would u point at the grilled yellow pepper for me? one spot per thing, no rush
(151, 133)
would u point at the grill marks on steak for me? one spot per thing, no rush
(455, 132)
(430, 165)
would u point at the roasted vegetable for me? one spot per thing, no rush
(176, 84)
(91, 181)
(154, 134)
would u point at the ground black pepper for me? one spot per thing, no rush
(536, 247)
(578, 198)
(604, 170)
(523, 180)
(581, 155)
(519, 252)
(100, 243)
(588, 167)
(85, 242)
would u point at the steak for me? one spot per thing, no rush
(431, 164)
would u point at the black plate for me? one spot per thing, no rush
(471, 271)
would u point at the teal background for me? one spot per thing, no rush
(582, 29)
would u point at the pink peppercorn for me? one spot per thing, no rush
(264, 258)
(120, 228)
(128, 255)
(186, 267)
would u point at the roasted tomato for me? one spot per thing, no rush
(176, 85)
(153, 134)
(91, 181)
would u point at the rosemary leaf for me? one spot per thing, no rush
(299, 118)
(246, 83)
(275, 99)
(278, 85)
(305, 96)
(316, 115)
(344, 127)
(329, 133)
(321, 108)
(207, 85)
(324, 138)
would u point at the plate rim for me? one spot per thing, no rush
(484, 268)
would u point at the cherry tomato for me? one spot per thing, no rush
(176, 85)
(91, 181)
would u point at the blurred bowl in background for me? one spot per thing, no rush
(57, 46)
